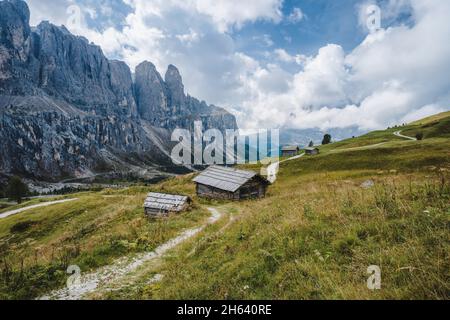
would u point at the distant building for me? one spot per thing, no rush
(312, 151)
(161, 205)
(290, 151)
(224, 183)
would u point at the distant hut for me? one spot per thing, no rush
(224, 183)
(290, 151)
(161, 205)
(312, 151)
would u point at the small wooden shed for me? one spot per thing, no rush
(290, 151)
(161, 205)
(312, 151)
(218, 182)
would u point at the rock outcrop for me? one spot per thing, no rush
(151, 94)
(67, 111)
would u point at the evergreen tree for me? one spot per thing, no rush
(326, 139)
(16, 189)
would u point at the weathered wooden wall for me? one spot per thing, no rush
(312, 152)
(152, 213)
(289, 153)
(214, 193)
(155, 213)
(255, 188)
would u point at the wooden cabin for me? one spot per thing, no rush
(290, 151)
(225, 183)
(312, 151)
(162, 205)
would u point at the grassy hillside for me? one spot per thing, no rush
(313, 237)
(436, 126)
(433, 118)
(319, 230)
(38, 245)
(315, 240)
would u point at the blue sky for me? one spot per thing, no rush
(323, 22)
(275, 63)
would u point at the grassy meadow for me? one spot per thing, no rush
(38, 245)
(313, 237)
(318, 230)
(315, 240)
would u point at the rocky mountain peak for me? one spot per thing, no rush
(147, 71)
(14, 23)
(151, 93)
(67, 110)
(16, 8)
(173, 75)
(174, 82)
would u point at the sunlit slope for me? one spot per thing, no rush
(313, 237)
(432, 127)
(38, 245)
(319, 229)
(436, 117)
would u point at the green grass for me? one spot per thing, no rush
(396, 155)
(315, 240)
(36, 246)
(4, 206)
(312, 237)
(7, 206)
(433, 118)
(436, 128)
(318, 230)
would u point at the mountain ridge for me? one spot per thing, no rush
(68, 111)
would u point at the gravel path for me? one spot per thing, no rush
(105, 276)
(273, 169)
(40, 205)
(399, 134)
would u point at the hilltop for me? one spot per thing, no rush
(378, 199)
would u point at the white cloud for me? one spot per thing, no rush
(394, 8)
(265, 40)
(234, 13)
(191, 34)
(189, 38)
(422, 113)
(225, 14)
(283, 56)
(395, 75)
(54, 11)
(390, 10)
(296, 15)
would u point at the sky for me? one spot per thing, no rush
(294, 64)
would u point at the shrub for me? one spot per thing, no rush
(21, 226)
(419, 136)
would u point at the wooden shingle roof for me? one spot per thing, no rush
(166, 202)
(223, 178)
(290, 148)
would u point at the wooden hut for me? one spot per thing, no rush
(224, 183)
(290, 151)
(161, 205)
(312, 151)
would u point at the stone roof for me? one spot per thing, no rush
(224, 178)
(165, 202)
